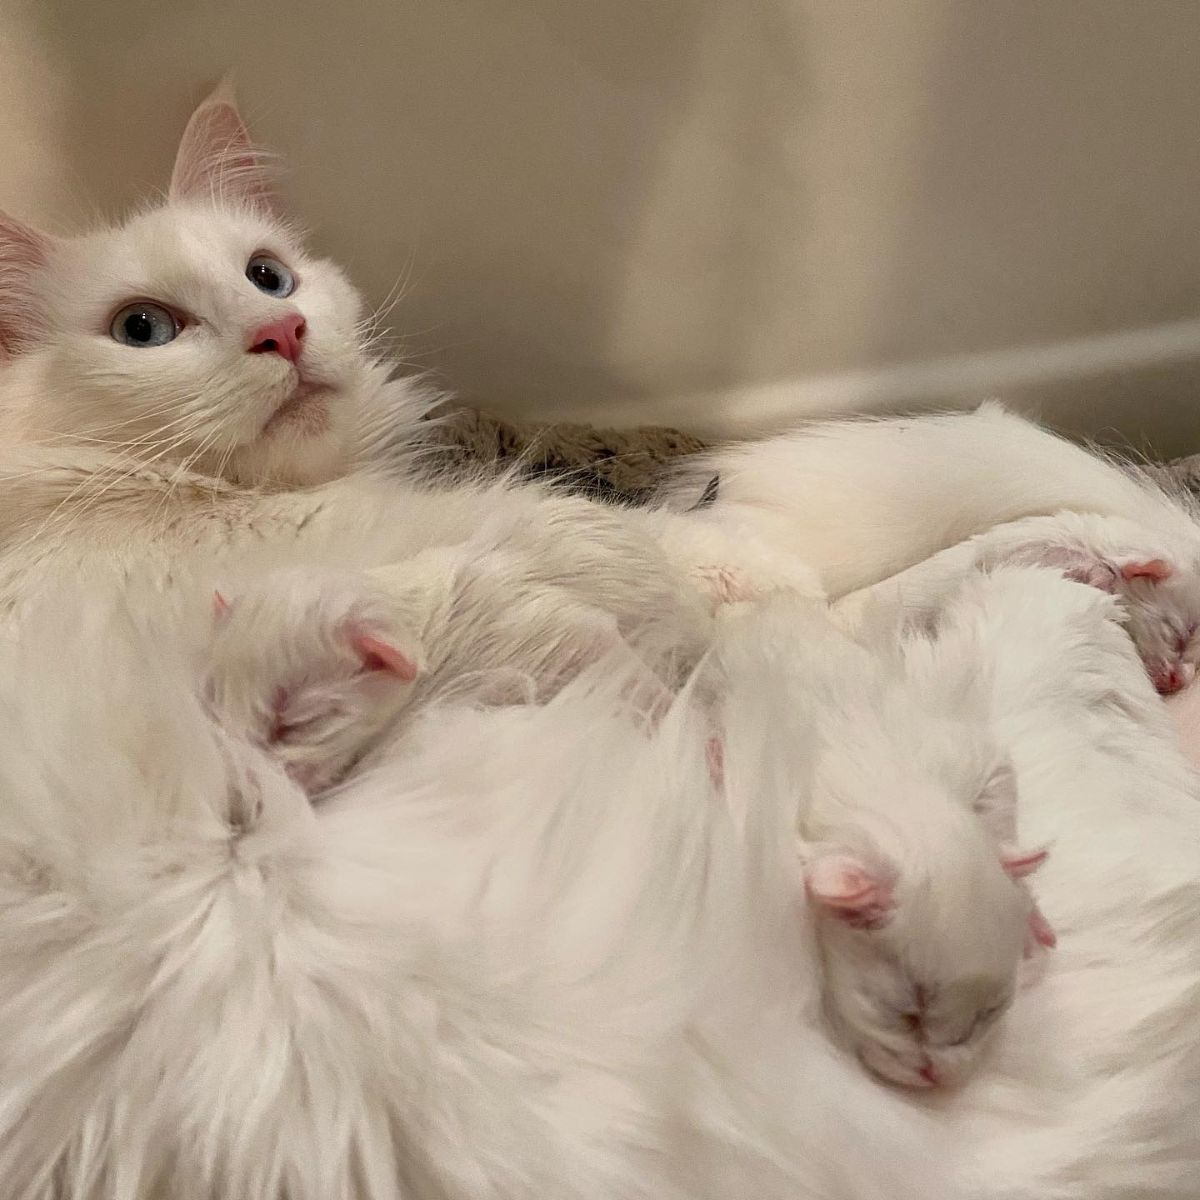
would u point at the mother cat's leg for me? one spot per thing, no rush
(861, 500)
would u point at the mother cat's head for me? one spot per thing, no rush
(197, 331)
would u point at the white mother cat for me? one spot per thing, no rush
(199, 332)
(193, 377)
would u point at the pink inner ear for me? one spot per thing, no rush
(850, 890)
(216, 158)
(24, 251)
(379, 655)
(1155, 569)
(1041, 929)
(220, 606)
(1020, 863)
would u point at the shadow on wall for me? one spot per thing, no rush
(1052, 201)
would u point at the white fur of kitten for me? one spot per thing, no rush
(1152, 576)
(534, 957)
(907, 838)
(326, 669)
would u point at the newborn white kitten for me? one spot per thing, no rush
(318, 668)
(908, 849)
(1154, 577)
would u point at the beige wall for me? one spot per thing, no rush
(626, 208)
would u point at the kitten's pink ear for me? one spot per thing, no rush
(1154, 569)
(996, 804)
(847, 888)
(24, 252)
(216, 159)
(1041, 932)
(378, 655)
(1018, 864)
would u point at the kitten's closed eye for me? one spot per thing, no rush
(983, 1018)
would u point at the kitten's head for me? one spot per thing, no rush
(198, 331)
(1161, 605)
(923, 942)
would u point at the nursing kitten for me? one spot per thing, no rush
(1149, 573)
(907, 835)
(319, 668)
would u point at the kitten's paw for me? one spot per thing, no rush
(753, 576)
(313, 667)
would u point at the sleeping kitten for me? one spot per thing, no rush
(320, 668)
(906, 836)
(908, 847)
(1151, 575)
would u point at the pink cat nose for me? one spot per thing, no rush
(929, 1073)
(284, 337)
(1172, 679)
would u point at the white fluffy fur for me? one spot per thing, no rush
(1114, 554)
(860, 500)
(1090, 1094)
(534, 958)
(538, 957)
(910, 803)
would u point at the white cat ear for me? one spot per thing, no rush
(996, 804)
(851, 890)
(216, 159)
(1018, 864)
(1041, 932)
(24, 252)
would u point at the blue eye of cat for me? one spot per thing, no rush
(144, 324)
(270, 275)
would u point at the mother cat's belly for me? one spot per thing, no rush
(1185, 711)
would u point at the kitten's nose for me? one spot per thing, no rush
(284, 337)
(1173, 678)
